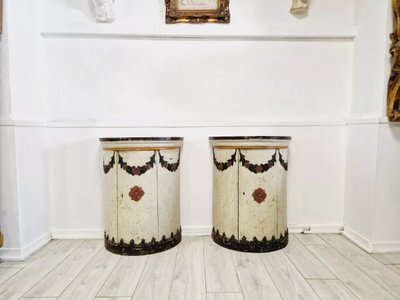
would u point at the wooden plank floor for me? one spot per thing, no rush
(311, 267)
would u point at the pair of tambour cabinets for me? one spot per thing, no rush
(142, 188)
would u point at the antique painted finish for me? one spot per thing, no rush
(249, 192)
(141, 193)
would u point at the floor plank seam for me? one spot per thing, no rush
(173, 275)
(236, 271)
(97, 294)
(140, 278)
(97, 254)
(305, 279)
(316, 257)
(384, 288)
(325, 243)
(78, 245)
(273, 281)
(11, 276)
(205, 271)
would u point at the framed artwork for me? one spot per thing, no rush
(197, 11)
(1, 16)
(393, 99)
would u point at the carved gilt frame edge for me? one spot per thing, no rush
(393, 100)
(174, 15)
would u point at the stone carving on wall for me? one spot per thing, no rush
(105, 12)
(299, 7)
(393, 101)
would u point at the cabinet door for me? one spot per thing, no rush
(110, 192)
(137, 196)
(168, 192)
(225, 192)
(258, 194)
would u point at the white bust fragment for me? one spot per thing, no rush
(299, 7)
(105, 12)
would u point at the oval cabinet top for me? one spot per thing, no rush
(140, 143)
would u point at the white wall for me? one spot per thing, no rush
(76, 190)
(24, 211)
(266, 73)
(372, 215)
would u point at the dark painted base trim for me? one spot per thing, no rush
(142, 248)
(254, 246)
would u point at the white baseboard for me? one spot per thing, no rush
(317, 228)
(358, 239)
(17, 254)
(188, 231)
(385, 247)
(196, 230)
(371, 246)
(77, 234)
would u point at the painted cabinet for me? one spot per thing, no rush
(141, 194)
(249, 192)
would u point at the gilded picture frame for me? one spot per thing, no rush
(393, 99)
(197, 11)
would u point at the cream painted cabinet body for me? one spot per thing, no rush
(141, 193)
(249, 192)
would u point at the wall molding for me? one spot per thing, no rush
(167, 124)
(17, 254)
(128, 30)
(310, 122)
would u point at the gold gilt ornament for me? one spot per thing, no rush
(393, 102)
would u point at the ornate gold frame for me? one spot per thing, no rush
(175, 15)
(393, 101)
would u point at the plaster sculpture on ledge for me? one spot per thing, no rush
(105, 12)
(299, 7)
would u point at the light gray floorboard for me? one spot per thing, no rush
(189, 278)
(225, 296)
(331, 289)
(58, 279)
(388, 258)
(256, 282)
(357, 281)
(380, 273)
(24, 280)
(38, 298)
(125, 277)
(289, 281)
(219, 265)
(156, 279)
(308, 265)
(21, 264)
(88, 283)
(396, 268)
(113, 298)
(7, 273)
(200, 269)
(309, 239)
